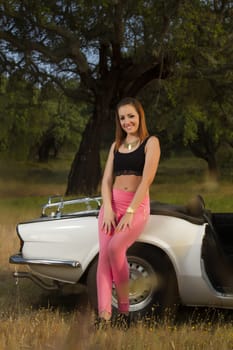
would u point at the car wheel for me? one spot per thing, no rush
(153, 286)
(153, 283)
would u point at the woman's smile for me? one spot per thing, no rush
(129, 119)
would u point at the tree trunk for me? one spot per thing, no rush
(47, 144)
(212, 168)
(210, 158)
(206, 147)
(85, 172)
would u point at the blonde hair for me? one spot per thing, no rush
(142, 130)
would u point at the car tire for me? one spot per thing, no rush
(159, 291)
(153, 284)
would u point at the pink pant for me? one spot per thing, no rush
(112, 264)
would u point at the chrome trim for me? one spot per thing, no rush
(55, 286)
(18, 259)
(62, 203)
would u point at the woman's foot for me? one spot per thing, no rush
(121, 321)
(105, 315)
(123, 308)
(103, 320)
(102, 324)
(124, 313)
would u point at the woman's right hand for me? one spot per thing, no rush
(109, 221)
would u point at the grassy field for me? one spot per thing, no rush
(32, 319)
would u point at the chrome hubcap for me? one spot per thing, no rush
(141, 284)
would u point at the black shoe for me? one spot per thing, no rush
(102, 324)
(121, 321)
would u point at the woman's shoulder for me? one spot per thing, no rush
(151, 139)
(113, 147)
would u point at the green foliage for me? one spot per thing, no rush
(29, 115)
(192, 115)
(16, 108)
(200, 89)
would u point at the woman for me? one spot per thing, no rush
(130, 169)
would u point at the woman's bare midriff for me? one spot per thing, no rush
(127, 182)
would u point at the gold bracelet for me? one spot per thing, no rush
(130, 210)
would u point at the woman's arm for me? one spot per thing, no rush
(152, 157)
(106, 192)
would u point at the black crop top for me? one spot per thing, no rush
(131, 163)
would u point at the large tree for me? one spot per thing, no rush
(113, 48)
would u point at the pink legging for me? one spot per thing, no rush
(112, 264)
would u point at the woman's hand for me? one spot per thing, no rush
(109, 221)
(125, 222)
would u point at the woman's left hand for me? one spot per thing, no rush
(125, 222)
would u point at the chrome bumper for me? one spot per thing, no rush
(18, 259)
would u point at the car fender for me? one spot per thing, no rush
(181, 240)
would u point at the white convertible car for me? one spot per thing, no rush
(184, 255)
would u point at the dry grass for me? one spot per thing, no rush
(53, 329)
(31, 319)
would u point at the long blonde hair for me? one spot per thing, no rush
(142, 129)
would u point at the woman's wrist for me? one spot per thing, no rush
(130, 210)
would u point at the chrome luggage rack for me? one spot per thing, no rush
(59, 205)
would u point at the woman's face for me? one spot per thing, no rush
(129, 119)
